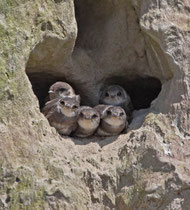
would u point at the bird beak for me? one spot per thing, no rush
(87, 118)
(115, 115)
(50, 91)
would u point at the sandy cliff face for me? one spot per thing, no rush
(141, 45)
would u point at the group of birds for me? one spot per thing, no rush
(109, 118)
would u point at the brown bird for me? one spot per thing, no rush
(115, 95)
(62, 114)
(87, 122)
(60, 90)
(113, 120)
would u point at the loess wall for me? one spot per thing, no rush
(143, 46)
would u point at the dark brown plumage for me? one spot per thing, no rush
(62, 114)
(61, 90)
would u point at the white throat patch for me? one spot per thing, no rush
(115, 122)
(68, 112)
(87, 124)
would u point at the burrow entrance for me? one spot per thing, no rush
(141, 90)
(110, 49)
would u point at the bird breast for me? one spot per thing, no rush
(114, 122)
(87, 124)
(68, 112)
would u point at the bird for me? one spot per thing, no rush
(61, 90)
(116, 95)
(112, 120)
(87, 122)
(62, 114)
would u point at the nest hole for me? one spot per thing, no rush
(97, 26)
(141, 90)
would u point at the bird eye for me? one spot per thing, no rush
(108, 112)
(81, 114)
(119, 94)
(94, 116)
(121, 114)
(75, 107)
(106, 94)
(62, 89)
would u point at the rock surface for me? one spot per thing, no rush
(112, 41)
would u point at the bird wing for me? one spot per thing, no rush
(49, 107)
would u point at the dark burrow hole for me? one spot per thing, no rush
(92, 20)
(141, 90)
